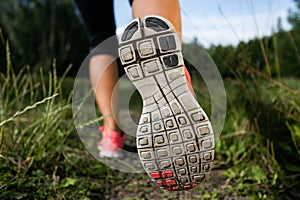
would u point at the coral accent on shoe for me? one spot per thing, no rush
(189, 80)
(111, 141)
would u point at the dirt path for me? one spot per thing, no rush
(139, 186)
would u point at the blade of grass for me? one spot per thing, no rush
(277, 64)
(1, 37)
(294, 45)
(18, 113)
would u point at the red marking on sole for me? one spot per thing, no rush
(176, 188)
(167, 174)
(155, 175)
(161, 183)
(189, 186)
(171, 182)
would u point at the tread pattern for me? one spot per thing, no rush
(175, 140)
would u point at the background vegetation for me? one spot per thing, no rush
(41, 156)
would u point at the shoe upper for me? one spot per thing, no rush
(111, 141)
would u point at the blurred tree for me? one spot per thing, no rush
(41, 30)
(294, 16)
(224, 58)
(293, 38)
(279, 25)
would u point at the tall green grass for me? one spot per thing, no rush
(261, 138)
(41, 156)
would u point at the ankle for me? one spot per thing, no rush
(111, 127)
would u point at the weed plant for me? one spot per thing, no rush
(41, 156)
(261, 137)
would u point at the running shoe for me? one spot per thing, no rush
(174, 137)
(111, 143)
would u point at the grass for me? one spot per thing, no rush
(42, 157)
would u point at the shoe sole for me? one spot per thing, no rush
(175, 140)
(109, 154)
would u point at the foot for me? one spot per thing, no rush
(175, 140)
(111, 144)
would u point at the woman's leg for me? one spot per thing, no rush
(98, 17)
(104, 77)
(169, 9)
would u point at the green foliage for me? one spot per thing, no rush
(272, 108)
(40, 153)
(294, 16)
(40, 31)
(277, 55)
(260, 142)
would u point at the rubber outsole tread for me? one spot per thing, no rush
(175, 139)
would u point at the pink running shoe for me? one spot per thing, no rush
(111, 143)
